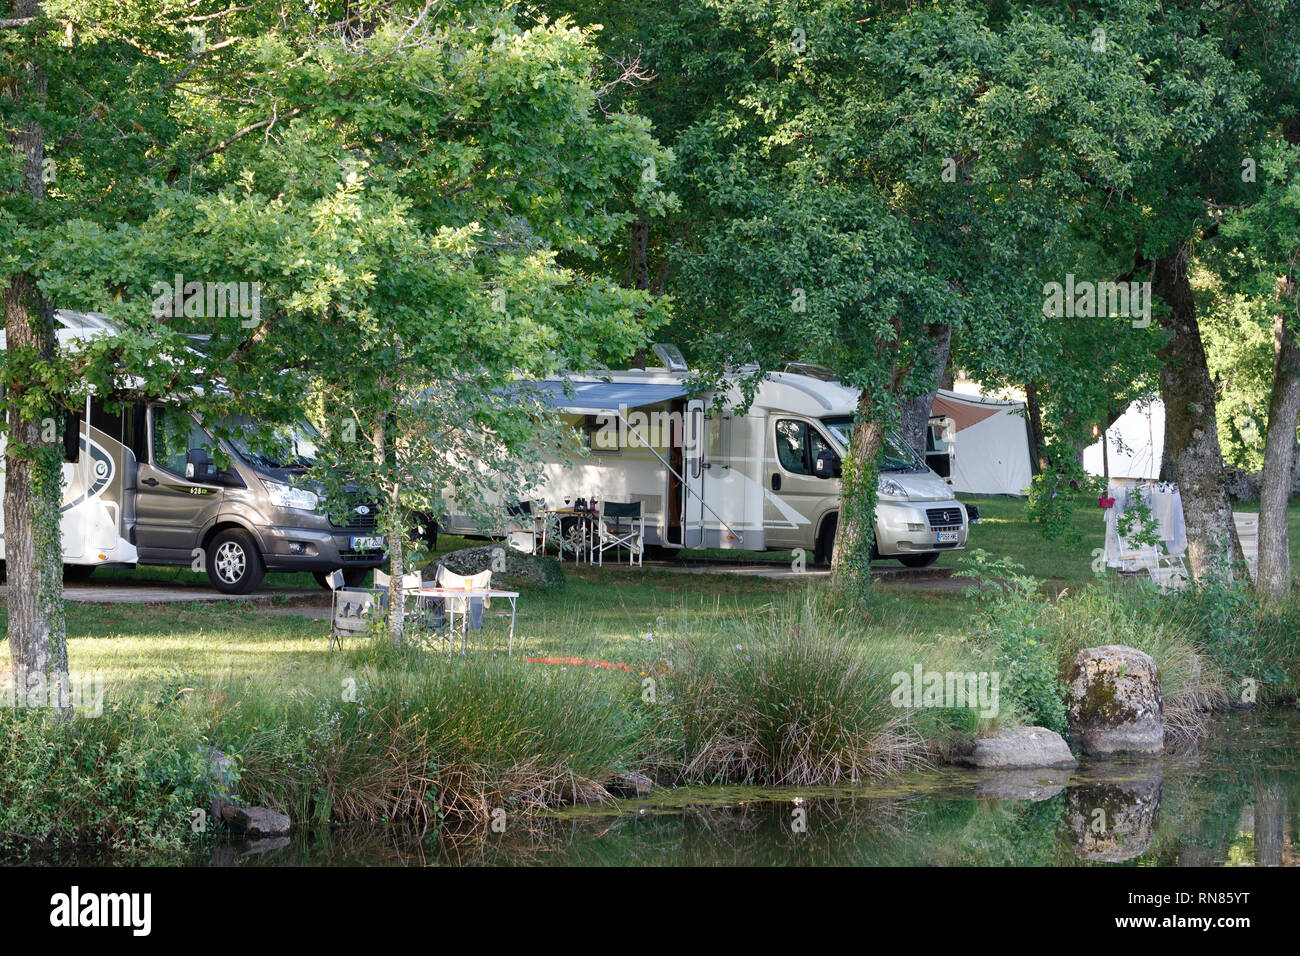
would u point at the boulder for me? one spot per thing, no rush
(256, 821)
(508, 566)
(1114, 703)
(1015, 747)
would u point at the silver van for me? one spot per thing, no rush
(185, 498)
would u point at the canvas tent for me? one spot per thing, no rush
(1135, 443)
(992, 446)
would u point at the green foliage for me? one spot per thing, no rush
(1011, 627)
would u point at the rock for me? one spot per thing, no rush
(256, 821)
(1015, 747)
(1113, 822)
(508, 566)
(631, 785)
(1114, 703)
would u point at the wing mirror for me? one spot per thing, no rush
(198, 465)
(827, 464)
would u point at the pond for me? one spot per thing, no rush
(1235, 803)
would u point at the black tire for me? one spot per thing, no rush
(77, 572)
(234, 565)
(826, 541)
(919, 560)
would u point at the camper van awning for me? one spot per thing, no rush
(603, 398)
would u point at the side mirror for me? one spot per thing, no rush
(827, 464)
(198, 465)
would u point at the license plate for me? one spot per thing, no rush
(944, 537)
(367, 543)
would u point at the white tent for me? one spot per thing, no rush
(1135, 443)
(993, 448)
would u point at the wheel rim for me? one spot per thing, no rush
(230, 562)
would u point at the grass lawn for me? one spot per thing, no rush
(599, 613)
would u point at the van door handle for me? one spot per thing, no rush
(149, 481)
(776, 481)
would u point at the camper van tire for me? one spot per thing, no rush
(77, 572)
(826, 541)
(923, 560)
(234, 565)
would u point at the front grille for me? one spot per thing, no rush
(947, 518)
(356, 522)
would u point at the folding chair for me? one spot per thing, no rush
(621, 525)
(1169, 572)
(352, 609)
(469, 610)
(521, 534)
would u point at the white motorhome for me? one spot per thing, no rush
(764, 480)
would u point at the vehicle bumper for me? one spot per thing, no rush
(903, 527)
(308, 549)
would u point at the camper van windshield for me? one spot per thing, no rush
(283, 446)
(897, 455)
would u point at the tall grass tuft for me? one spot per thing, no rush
(798, 695)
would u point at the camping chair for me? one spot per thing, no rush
(521, 533)
(469, 610)
(352, 609)
(1169, 572)
(621, 525)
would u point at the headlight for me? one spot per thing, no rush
(889, 488)
(285, 496)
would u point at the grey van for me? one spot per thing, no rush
(189, 499)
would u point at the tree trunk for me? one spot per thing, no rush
(639, 269)
(1279, 453)
(1035, 411)
(391, 515)
(33, 469)
(1274, 577)
(1191, 434)
(916, 412)
(855, 534)
(33, 492)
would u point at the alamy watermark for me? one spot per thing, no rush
(1084, 298)
(81, 690)
(639, 429)
(964, 689)
(208, 300)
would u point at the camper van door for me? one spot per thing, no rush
(693, 462)
(170, 509)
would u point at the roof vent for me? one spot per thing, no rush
(670, 357)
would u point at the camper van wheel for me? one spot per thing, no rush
(234, 566)
(826, 541)
(352, 577)
(77, 572)
(919, 560)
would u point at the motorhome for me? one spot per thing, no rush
(145, 482)
(708, 476)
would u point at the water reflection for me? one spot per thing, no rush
(1235, 803)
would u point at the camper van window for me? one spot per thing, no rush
(896, 455)
(283, 446)
(175, 432)
(797, 446)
